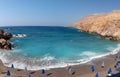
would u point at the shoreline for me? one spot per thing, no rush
(109, 61)
(33, 68)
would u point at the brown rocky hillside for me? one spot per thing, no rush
(104, 24)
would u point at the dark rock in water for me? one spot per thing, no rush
(7, 35)
(7, 46)
(1, 36)
(1, 32)
(4, 37)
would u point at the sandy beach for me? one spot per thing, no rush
(81, 70)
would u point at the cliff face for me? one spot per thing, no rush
(4, 37)
(105, 24)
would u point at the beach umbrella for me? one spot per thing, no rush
(29, 75)
(96, 75)
(109, 71)
(117, 57)
(102, 65)
(70, 71)
(116, 64)
(8, 73)
(12, 66)
(25, 69)
(92, 68)
(109, 75)
(43, 72)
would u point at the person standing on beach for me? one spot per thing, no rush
(67, 67)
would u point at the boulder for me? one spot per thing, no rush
(4, 37)
(7, 35)
(7, 46)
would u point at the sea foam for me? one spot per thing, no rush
(21, 62)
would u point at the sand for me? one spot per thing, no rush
(81, 70)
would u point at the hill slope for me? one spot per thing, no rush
(105, 24)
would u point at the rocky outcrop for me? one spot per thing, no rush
(4, 37)
(105, 24)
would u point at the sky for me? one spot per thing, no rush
(51, 12)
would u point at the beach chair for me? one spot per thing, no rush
(108, 75)
(92, 68)
(112, 75)
(118, 69)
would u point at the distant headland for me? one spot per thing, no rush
(104, 24)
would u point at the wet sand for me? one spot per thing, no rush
(81, 70)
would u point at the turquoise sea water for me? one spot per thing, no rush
(50, 47)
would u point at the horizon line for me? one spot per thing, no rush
(34, 25)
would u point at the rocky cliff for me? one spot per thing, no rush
(4, 37)
(104, 24)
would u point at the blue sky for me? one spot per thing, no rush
(51, 12)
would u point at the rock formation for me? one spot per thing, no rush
(4, 37)
(104, 24)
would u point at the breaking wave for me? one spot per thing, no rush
(47, 61)
(19, 35)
